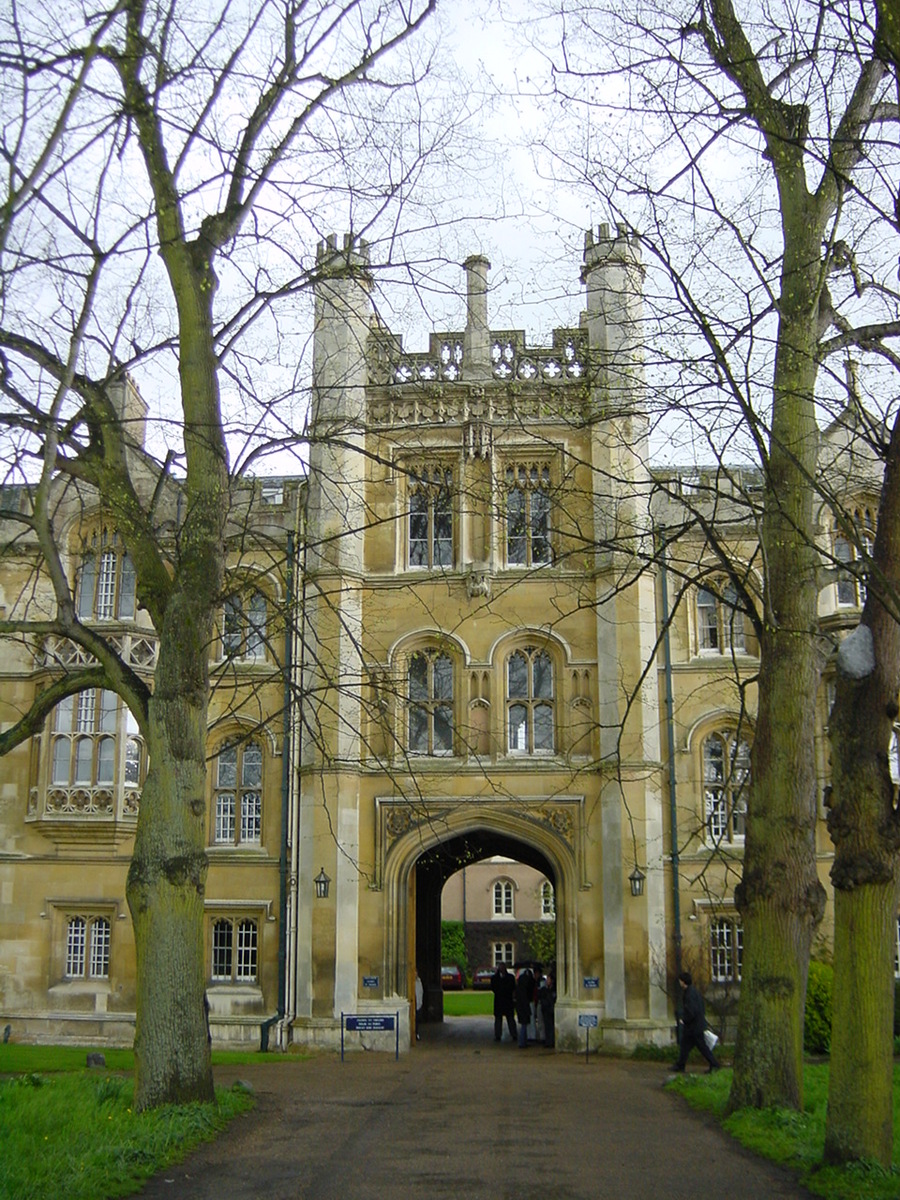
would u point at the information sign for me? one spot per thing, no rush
(370, 981)
(592, 981)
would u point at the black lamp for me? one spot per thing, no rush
(322, 881)
(636, 879)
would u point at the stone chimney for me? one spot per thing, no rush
(477, 338)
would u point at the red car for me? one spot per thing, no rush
(481, 980)
(451, 979)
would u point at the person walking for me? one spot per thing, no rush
(504, 988)
(693, 1024)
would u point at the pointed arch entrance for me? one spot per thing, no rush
(423, 844)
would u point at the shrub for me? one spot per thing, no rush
(817, 1018)
(453, 945)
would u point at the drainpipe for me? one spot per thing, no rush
(285, 794)
(670, 738)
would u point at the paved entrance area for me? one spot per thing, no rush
(465, 1118)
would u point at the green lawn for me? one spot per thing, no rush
(72, 1132)
(795, 1140)
(468, 1004)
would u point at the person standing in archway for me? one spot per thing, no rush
(503, 986)
(524, 995)
(547, 1002)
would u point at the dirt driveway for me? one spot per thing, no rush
(465, 1118)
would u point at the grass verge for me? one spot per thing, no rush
(793, 1139)
(468, 1004)
(73, 1132)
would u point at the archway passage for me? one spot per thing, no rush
(433, 868)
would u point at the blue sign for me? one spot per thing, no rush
(592, 981)
(370, 981)
(588, 1020)
(370, 1024)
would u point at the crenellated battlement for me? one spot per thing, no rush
(352, 255)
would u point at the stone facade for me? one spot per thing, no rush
(510, 643)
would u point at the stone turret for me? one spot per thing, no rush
(614, 275)
(131, 409)
(343, 313)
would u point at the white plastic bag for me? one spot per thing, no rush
(710, 1038)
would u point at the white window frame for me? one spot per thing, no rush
(503, 907)
(87, 949)
(234, 949)
(726, 949)
(503, 952)
(238, 776)
(725, 781)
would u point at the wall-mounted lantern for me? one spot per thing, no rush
(322, 881)
(636, 879)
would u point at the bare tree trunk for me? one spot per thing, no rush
(865, 828)
(780, 896)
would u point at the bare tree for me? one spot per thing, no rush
(758, 178)
(167, 172)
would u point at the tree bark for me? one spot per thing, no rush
(865, 828)
(780, 897)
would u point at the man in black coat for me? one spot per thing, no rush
(693, 1024)
(503, 986)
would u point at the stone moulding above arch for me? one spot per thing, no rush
(416, 638)
(521, 636)
(716, 718)
(405, 828)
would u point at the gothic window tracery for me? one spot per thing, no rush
(530, 702)
(851, 557)
(430, 691)
(106, 583)
(244, 626)
(528, 514)
(721, 625)
(430, 532)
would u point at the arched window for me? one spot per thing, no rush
(726, 946)
(528, 514)
(530, 702)
(430, 703)
(720, 621)
(548, 901)
(87, 948)
(430, 532)
(503, 900)
(237, 795)
(244, 620)
(235, 950)
(726, 776)
(851, 558)
(106, 581)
